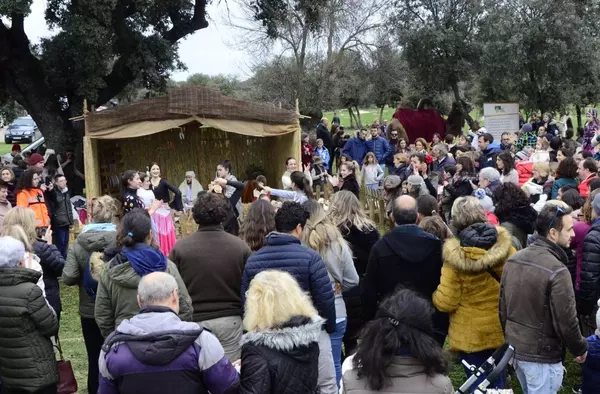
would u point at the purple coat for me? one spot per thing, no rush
(155, 352)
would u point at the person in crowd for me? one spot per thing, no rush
(51, 260)
(307, 151)
(581, 227)
(539, 184)
(301, 190)
(403, 146)
(537, 301)
(436, 226)
(582, 155)
(415, 186)
(426, 206)
(506, 141)
(461, 184)
(421, 146)
(555, 144)
(505, 164)
(280, 351)
(155, 350)
(541, 153)
(574, 200)
(394, 142)
(379, 146)
(392, 189)
(51, 168)
(356, 148)
(594, 184)
(290, 167)
(189, 189)
(566, 174)
(4, 203)
(564, 152)
(470, 283)
(401, 166)
(284, 252)
(130, 184)
(350, 180)
(420, 166)
(323, 153)
(75, 178)
(439, 152)
(514, 211)
(27, 360)
(587, 170)
(258, 223)
(318, 172)
(450, 141)
(36, 161)
(435, 139)
(347, 214)
(590, 129)
(97, 236)
(397, 352)
(210, 262)
(15, 150)
(406, 256)
(549, 124)
(115, 297)
(161, 188)
(488, 153)
(372, 172)
(321, 235)
(590, 266)
(591, 368)
(60, 210)
(336, 119)
(224, 172)
(8, 177)
(30, 194)
(324, 134)
(489, 180)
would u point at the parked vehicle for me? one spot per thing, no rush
(34, 147)
(23, 129)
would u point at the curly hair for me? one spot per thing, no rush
(210, 209)
(259, 221)
(509, 197)
(567, 169)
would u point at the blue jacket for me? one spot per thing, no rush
(284, 252)
(380, 147)
(488, 158)
(559, 183)
(324, 155)
(441, 166)
(356, 149)
(591, 368)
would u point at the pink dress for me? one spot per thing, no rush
(166, 229)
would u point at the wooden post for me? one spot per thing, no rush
(90, 161)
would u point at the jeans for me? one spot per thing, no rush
(336, 348)
(326, 380)
(228, 331)
(60, 238)
(93, 343)
(478, 358)
(537, 378)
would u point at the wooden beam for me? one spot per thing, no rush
(91, 168)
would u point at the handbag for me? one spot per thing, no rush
(67, 384)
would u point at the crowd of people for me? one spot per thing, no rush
(491, 242)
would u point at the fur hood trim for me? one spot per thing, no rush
(288, 338)
(476, 260)
(97, 265)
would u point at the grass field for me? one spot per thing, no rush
(74, 348)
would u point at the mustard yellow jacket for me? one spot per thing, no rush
(470, 294)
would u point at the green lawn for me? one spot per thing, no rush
(74, 348)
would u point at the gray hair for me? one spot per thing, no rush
(156, 288)
(490, 173)
(443, 148)
(12, 252)
(467, 211)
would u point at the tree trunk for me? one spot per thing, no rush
(381, 114)
(359, 121)
(454, 86)
(351, 113)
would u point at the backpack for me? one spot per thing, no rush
(90, 284)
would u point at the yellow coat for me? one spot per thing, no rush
(470, 294)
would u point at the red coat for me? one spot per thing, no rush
(307, 154)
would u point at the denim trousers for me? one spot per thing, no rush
(478, 358)
(537, 378)
(336, 348)
(60, 238)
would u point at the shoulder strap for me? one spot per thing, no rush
(493, 274)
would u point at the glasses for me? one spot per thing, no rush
(558, 210)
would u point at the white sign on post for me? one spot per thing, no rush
(500, 118)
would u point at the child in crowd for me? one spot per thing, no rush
(372, 172)
(307, 151)
(541, 154)
(318, 171)
(323, 153)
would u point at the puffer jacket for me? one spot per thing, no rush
(537, 305)
(87, 243)
(589, 286)
(380, 148)
(590, 373)
(27, 360)
(282, 360)
(52, 262)
(116, 299)
(283, 252)
(356, 149)
(468, 292)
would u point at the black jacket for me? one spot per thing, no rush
(351, 184)
(589, 289)
(487, 158)
(282, 360)
(59, 208)
(52, 262)
(325, 135)
(520, 222)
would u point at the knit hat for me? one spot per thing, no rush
(16, 147)
(485, 200)
(596, 204)
(415, 180)
(35, 159)
(391, 182)
(527, 128)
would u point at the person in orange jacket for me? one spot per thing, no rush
(30, 194)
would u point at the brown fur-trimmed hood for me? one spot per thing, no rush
(97, 265)
(471, 259)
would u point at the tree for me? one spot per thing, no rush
(227, 85)
(388, 72)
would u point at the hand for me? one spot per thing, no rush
(474, 186)
(154, 206)
(581, 359)
(43, 187)
(50, 187)
(237, 363)
(221, 182)
(415, 171)
(48, 236)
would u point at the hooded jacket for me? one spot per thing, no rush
(519, 222)
(27, 360)
(87, 243)
(468, 292)
(589, 285)
(52, 262)
(116, 298)
(282, 360)
(285, 253)
(154, 352)
(537, 305)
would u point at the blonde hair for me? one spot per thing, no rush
(346, 211)
(403, 157)
(354, 167)
(467, 211)
(272, 299)
(542, 168)
(23, 217)
(104, 209)
(17, 232)
(319, 233)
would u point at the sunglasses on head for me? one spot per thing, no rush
(558, 210)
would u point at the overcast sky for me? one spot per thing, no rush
(207, 51)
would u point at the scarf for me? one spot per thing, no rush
(108, 227)
(144, 259)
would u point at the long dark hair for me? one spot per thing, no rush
(258, 222)
(125, 178)
(403, 323)
(135, 227)
(302, 183)
(26, 181)
(467, 165)
(508, 161)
